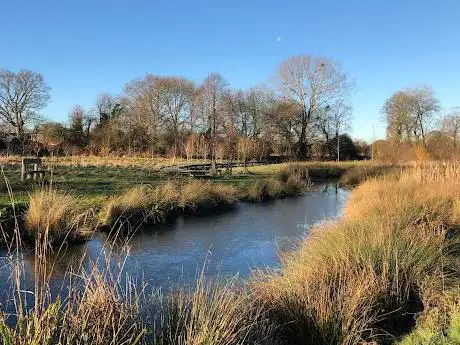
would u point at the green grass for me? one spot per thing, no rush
(95, 184)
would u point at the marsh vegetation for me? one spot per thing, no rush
(386, 271)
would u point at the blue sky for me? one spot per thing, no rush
(84, 47)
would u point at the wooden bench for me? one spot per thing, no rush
(27, 172)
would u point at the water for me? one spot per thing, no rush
(227, 244)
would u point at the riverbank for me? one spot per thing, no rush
(96, 179)
(57, 216)
(387, 268)
(386, 272)
(71, 205)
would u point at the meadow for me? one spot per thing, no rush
(386, 273)
(80, 195)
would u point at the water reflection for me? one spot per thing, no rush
(229, 243)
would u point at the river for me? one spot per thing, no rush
(227, 244)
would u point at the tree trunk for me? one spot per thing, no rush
(213, 139)
(302, 145)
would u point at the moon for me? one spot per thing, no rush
(278, 38)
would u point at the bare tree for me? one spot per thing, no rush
(76, 116)
(397, 112)
(424, 105)
(213, 90)
(107, 107)
(22, 96)
(312, 83)
(409, 113)
(175, 97)
(145, 99)
(450, 125)
(340, 114)
(282, 119)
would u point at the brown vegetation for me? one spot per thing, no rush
(389, 265)
(365, 277)
(53, 216)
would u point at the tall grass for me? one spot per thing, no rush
(141, 203)
(198, 194)
(367, 276)
(104, 306)
(55, 216)
(290, 180)
(386, 272)
(156, 204)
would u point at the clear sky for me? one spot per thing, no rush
(83, 47)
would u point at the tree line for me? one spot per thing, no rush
(305, 113)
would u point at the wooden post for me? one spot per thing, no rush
(23, 169)
(35, 173)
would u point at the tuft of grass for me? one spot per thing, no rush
(55, 216)
(198, 194)
(265, 189)
(156, 204)
(141, 203)
(211, 312)
(291, 180)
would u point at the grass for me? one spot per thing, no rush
(386, 272)
(141, 203)
(366, 277)
(105, 307)
(54, 216)
(135, 192)
(198, 194)
(157, 204)
(439, 324)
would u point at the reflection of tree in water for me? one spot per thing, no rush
(331, 187)
(56, 265)
(119, 241)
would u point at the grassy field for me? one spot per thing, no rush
(94, 179)
(80, 195)
(387, 272)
